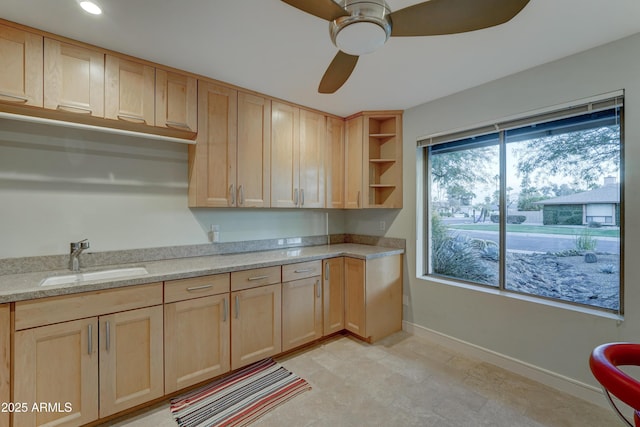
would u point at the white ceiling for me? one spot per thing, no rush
(270, 47)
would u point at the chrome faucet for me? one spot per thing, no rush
(75, 250)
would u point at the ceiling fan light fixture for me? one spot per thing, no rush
(366, 28)
(360, 38)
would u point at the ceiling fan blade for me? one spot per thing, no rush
(437, 17)
(325, 9)
(338, 72)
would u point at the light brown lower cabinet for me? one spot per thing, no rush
(373, 296)
(333, 295)
(76, 371)
(5, 361)
(57, 364)
(256, 328)
(197, 340)
(301, 312)
(131, 359)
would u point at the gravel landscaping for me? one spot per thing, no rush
(568, 278)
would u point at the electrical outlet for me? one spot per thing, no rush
(383, 225)
(214, 234)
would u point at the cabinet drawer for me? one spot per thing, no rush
(301, 270)
(253, 278)
(178, 290)
(38, 312)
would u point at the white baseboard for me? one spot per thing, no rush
(552, 379)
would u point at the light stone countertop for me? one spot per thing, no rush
(19, 287)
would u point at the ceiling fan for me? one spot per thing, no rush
(358, 27)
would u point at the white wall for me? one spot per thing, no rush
(550, 338)
(59, 185)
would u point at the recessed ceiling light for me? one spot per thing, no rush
(91, 7)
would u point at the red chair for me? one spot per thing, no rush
(604, 362)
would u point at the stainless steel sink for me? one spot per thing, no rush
(116, 273)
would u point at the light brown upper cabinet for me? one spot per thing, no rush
(212, 160)
(253, 169)
(21, 67)
(176, 101)
(229, 165)
(335, 165)
(374, 160)
(297, 157)
(129, 91)
(73, 79)
(353, 163)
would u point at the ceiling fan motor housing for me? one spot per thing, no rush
(366, 28)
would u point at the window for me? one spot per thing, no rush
(530, 206)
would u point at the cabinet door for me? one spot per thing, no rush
(333, 294)
(285, 156)
(21, 74)
(354, 296)
(131, 359)
(255, 324)
(254, 151)
(301, 312)
(57, 364)
(5, 361)
(197, 341)
(313, 149)
(212, 160)
(335, 165)
(353, 163)
(384, 296)
(129, 91)
(176, 101)
(73, 79)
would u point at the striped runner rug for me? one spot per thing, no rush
(240, 398)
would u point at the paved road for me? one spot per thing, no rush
(543, 242)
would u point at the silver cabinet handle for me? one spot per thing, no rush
(302, 197)
(224, 309)
(241, 188)
(237, 308)
(90, 339)
(295, 197)
(326, 271)
(177, 125)
(318, 290)
(74, 109)
(232, 193)
(14, 98)
(304, 270)
(108, 335)
(358, 198)
(132, 118)
(199, 288)
(256, 278)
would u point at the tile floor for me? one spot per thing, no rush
(407, 381)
